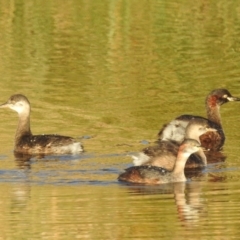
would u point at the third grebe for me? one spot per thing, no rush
(25, 142)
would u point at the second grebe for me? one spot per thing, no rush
(26, 142)
(157, 175)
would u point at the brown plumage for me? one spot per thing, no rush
(164, 154)
(214, 141)
(26, 142)
(149, 174)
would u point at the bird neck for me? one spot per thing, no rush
(213, 110)
(23, 128)
(178, 170)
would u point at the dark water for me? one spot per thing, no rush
(111, 73)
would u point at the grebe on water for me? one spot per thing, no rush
(175, 130)
(164, 154)
(157, 175)
(26, 142)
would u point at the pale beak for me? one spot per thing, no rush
(5, 105)
(211, 129)
(232, 99)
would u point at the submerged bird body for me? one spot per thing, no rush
(175, 130)
(26, 142)
(149, 174)
(164, 154)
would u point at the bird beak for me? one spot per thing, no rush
(203, 148)
(4, 105)
(211, 129)
(232, 99)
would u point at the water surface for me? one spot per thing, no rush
(111, 73)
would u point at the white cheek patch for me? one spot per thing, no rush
(17, 107)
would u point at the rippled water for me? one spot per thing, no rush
(111, 73)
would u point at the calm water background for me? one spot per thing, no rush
(111, 73)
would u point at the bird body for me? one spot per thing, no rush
(149, 174)
(26, 142)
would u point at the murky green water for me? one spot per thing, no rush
(111, 73)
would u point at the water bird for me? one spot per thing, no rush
(214, 141)
(26, 142)
(164, 153)
(149, 174)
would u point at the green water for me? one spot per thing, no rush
(111, 73)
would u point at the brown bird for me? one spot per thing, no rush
(26, 142)
(164, 154)
(156, 175)
(175, 130)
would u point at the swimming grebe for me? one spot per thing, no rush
(175, 130)
(157, 175)
(164, 154)
(27, 143)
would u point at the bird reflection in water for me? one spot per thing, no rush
(187, 196)
(190, 204)
(23, 160)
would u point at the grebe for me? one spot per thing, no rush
(157, 175)
(26, 142)
(175, 130)
(164, 154)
